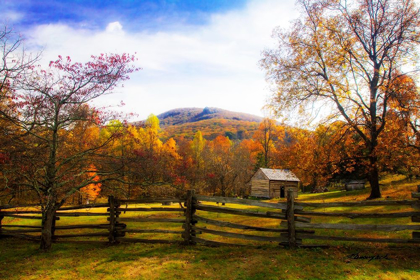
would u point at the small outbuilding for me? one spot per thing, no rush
(353, 185)
(271, 183)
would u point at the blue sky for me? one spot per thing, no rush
(192, 53)
(152, 15)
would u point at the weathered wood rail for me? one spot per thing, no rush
(32, 232)
(414, 215)
(199, 222)
(129, 220)
(144, 222)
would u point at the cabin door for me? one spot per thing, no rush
(282, 192)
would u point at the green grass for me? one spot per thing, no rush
(20, 259)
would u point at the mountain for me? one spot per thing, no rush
(191, 115)
(211, 122)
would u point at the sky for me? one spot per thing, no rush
(193, 53)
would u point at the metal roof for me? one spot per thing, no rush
(280, 175)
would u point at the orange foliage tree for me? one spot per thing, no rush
(344, 55)
(91, 191)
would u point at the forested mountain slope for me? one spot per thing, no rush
(210, 121)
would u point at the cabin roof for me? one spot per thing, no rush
(280, 175)
(356, 181)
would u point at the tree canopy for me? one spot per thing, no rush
(344, 55)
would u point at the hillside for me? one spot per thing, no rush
(191, 115)
(210, 121)
(211, 128)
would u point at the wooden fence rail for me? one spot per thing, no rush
(415, 219)
(23, 231)
(220, 231)
(147, 217)
(414, 215)
(194, 216)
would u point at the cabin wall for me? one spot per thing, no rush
(355, 186)
(260, 188)
(277, 186)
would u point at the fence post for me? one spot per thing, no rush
(53, 226)
(416, 219)
(189, 232)
(112, 219)
(1, 218)
(290, 214)
(117, 224)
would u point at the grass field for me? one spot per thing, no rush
(21, 259)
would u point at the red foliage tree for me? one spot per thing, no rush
(51, 102)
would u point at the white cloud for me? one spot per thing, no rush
(213, 65)
(114, 27)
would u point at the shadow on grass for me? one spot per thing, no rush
(23, 260)
(333, 195)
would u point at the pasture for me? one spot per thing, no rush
(21, 259)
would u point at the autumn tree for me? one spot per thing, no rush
(253, 150)
(147, 160)
(401, 135)
(13, 62)
(197, 148)
(321, 156)
(51, 102)
(404, 157)
(343, 55)
(219, 166)
(151, 166)
(405, 104)
(300, 152)
(187, 166)
(243, 163)
(150, 134)
(91, 191)
(265, 135)
(122, 141)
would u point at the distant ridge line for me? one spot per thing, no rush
(190, 115)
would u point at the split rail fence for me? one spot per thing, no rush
(196, 219)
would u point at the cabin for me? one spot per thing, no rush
(353, 185)
(271, 183)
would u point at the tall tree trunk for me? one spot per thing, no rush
(47, 228)
(374, 178)
(374, 133)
